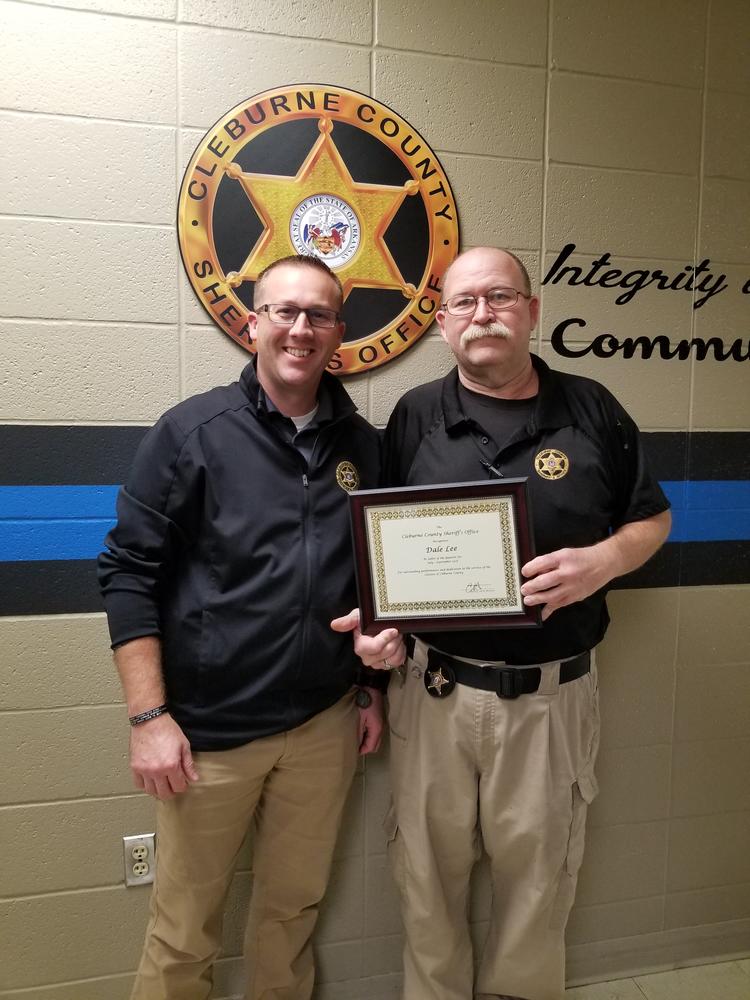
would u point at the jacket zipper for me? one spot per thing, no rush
(308, 575)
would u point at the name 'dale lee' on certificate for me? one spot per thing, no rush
(452, 558)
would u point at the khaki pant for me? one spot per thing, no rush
(516, 776)
(294, 786)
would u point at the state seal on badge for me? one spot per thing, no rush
(321, 170)
(326, 227)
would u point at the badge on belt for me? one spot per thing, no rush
(440, 682)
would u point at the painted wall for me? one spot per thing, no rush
(620, 128)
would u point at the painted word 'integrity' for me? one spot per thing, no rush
(697, 279)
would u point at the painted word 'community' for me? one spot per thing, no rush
(606, 345)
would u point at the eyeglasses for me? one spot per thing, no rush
(286, 314)
(497, 299)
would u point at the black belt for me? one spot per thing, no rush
(445, 671)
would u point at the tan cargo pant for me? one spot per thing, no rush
(294, 785)
(516, 776)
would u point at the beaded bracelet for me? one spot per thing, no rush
(152, 713)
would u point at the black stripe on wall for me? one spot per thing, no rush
(676, 455)
(42, 455)
(69, 586)
(717, 455)
(692, 564)
(58, 587)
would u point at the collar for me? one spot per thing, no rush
(551, 410)
(334, 402)
(324, 412)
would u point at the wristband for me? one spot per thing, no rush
(152, 713)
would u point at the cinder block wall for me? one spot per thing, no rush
(620, 128)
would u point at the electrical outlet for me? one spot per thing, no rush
(139, 855)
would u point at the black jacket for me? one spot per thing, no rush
(237, 554)
(608, 483)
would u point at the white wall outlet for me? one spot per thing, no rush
(139, 855)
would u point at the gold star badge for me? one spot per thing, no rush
(347, 476)
(437, 681)
(551, 463)
(323, 183)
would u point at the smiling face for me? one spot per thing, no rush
(490, 347)
(291, 359)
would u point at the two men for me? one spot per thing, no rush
(230, 556)
(494, 733)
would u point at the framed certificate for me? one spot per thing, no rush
(443, 557)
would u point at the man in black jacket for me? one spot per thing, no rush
(230, 556)
(494, 733)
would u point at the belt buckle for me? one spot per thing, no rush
(509, 683)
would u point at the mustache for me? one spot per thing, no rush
(477, 332)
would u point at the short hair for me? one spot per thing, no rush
(525, 279)
(298, 260)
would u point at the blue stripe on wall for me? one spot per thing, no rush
(709, 511)
(54, 522)
(79, 538)
(40, 502)
(70, 522)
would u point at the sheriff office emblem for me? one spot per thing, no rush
(347, 476)
(330, 172)
(439, 684)
(551, 463)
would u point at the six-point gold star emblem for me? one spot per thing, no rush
(324, 172)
